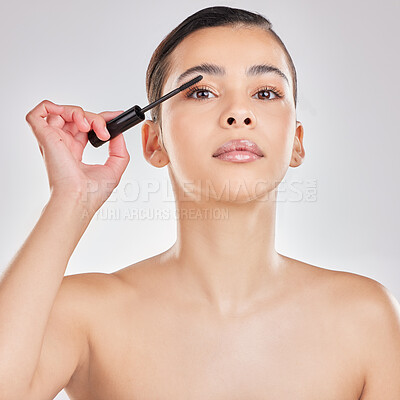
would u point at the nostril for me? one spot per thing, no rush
(247, 121)
(230, 120)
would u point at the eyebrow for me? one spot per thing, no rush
(213, 69)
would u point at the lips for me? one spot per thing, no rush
(239, 145)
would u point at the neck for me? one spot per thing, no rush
(225, 252)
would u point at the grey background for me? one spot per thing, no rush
(95, 54)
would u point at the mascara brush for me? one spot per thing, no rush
(134, 116)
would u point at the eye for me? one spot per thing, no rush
(196, 90)
(270, 90)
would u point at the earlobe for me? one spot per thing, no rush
(152, 149)
(298, 152)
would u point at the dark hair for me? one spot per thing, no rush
(159, 65)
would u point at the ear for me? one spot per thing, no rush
(153, 150)
(298, 152)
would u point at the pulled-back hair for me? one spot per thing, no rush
(160, 64)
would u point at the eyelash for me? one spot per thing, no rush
(272, 89)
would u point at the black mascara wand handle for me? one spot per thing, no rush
(118, 125)
(134, 116)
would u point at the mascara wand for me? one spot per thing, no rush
(134, 116)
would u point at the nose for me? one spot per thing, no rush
(232, 121)
(238, 118)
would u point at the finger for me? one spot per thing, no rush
(118, 155)
(98, 122)
(55, 120)
(109, 115)
(36, 117)
(76, 115)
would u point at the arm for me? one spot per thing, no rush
(382, 347)
(28, 289)
(37, 311)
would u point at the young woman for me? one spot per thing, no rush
(220, 314)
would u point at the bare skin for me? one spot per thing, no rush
(219, 315)
(149, 339)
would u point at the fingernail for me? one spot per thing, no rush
(108, 133)
(86, 122)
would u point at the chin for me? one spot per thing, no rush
(235, 191)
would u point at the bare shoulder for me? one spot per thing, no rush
(86, 297)
(76, 306)
(370, 299)
(87, 284)
(92, 291)
(347, 286)
(90, 298)
(105, 291)
(143, 273)
(370, 316)
(78, 294)
(377, 330)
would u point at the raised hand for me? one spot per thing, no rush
(62, 135)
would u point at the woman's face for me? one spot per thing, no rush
(195, 124)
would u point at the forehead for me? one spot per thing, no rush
(233, 48)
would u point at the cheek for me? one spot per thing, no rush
(280, 144)
(186, 143)
(280, 125)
